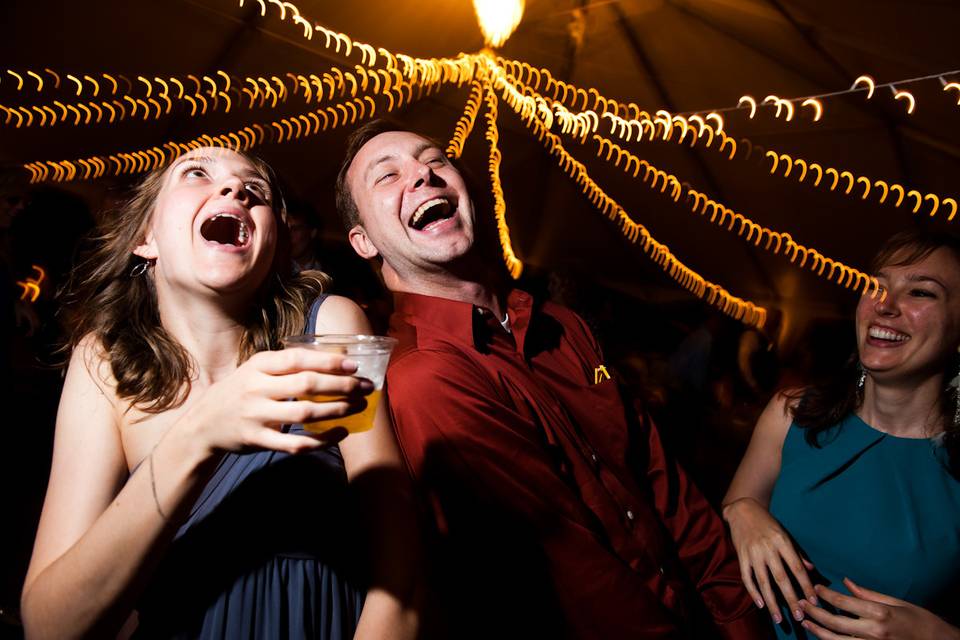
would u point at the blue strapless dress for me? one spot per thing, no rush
(267, 552)
(881, 510)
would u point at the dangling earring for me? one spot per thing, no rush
(954, 385)
(862, 379)
(139, 269)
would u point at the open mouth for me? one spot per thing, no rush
(226, 228)
(887, 335)
(431, 211)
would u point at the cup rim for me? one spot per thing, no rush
(339, 339)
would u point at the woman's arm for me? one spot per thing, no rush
(101, 533)
(381, 487)
(764, 549)
(760, 466)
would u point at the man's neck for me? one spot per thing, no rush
(476, 292)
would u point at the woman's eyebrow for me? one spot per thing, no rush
(922, 277)
(200, 159)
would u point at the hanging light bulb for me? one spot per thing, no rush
(498, 19)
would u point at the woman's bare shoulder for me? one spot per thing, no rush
(339, 314)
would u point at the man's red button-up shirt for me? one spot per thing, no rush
(556, 512)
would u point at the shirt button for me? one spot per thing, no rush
(594, 458)
(662, 572)
(629, 515)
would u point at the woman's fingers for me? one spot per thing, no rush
(301, 411)
(820, 632)
(763, 578)
(305, 384)
(850, 604)
(782, 579)
(869, 594)
(796, 565)
(746, 574)
(279, 363)
(835, 622)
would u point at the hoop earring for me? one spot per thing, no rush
(862, 380)
(139, 269)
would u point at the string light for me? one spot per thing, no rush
(31, 286)
(951, 86)
(467, 119)
(263, 92)
(661, 129)
(817, 107)
(730, 220)
(905, 95)
(514, 266)
(713, 294)
(278, 131)
(868, 82)
(539, 99)
(852, 184)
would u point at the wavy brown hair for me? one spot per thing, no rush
(103, 300)
(819, 407)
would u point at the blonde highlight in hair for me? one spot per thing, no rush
(104, 300)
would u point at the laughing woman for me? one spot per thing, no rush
(847, 502)
(179, 505)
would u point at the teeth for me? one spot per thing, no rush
(243, 231)
(887, 334)
(422, 209)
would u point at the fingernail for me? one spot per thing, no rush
(366, 385)
(798, 615)
(777, 618)
(813, 599)
(759, 603)
(348, 365)
(805, 624)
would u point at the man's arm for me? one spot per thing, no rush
(702, 543)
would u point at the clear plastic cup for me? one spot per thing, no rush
(371, 353)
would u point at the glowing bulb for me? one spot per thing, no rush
(498, 19)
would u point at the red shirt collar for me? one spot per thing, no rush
(459, 321)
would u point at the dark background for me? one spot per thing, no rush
(702, 375)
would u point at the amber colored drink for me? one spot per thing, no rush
(353, 423)
(371, 353)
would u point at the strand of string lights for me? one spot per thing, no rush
(785, 107)
(713, 294)
(514, 265)
(640, 126)
(730, 220)
(278, 131)
(468, 118)
(383, 75)
(580, 125)
(156, 97)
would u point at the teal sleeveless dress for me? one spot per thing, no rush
(879, 509)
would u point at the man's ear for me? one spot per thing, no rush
(361, 243)
(148, 249)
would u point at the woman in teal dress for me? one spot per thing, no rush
(845, 510)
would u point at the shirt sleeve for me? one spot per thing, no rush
(486, 469)
(702, 543)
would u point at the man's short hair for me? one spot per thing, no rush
(346, 205)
